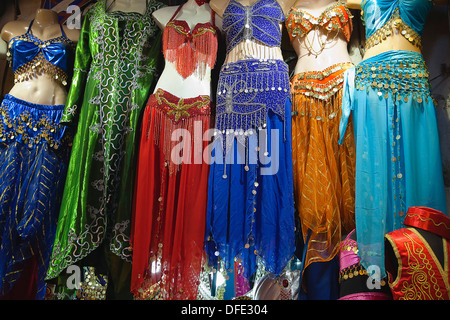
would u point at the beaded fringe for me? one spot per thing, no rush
(192, 53)
(166, 135)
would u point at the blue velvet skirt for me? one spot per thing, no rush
(34, 151)
(398, 161)
(250, 212)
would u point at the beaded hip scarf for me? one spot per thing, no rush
(246, 91)
(402, 78)
(31, 124)
(172, 115)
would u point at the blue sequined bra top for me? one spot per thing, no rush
(259, 21)
(31, 56)
(382, 17)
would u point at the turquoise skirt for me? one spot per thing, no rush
(398, 161)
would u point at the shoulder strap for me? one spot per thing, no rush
(29, 27)
(62, 31)
(176, 12)
(213, 17)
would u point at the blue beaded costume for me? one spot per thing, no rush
(250, 211)
(398, 162)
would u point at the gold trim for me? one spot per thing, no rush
(436, 260)
(428, 219)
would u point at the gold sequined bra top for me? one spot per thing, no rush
(31, 56)
(382, 18)
(337, 17)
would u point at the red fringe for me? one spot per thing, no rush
(190, 51)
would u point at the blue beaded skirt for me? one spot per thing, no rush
(250, 213)
(398, 161)
(34, 151)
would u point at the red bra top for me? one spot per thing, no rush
(190, 50)
(337, 17)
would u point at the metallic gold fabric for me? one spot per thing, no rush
(323, 170)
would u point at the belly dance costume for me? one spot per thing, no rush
(250, 216)
(34, 153)
(398, 160)
(115, 63)
(323, 169)
(172, 176)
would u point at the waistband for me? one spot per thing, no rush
(320, 84)
(398, 75)
(10, 98)
(179, 109)
(254, 65)
(31, 124)
(392, 54)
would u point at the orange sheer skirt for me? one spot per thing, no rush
(324, 171)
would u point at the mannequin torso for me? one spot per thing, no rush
(170, 79)
(394, 42)
(335, 46)
(40, 89)
(261, 51)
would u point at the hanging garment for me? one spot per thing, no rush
(34, 154)
(398, 159)
(323, 170)
(115, 63)
(172, 175)
(33, 157)
(250, 213)
(423, 265)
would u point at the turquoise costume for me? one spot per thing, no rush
(398, 162)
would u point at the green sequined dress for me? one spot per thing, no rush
(116, 59)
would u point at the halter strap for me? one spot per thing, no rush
(31, 31)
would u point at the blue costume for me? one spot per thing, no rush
(250, 211)
(398, 162)
(34, 151)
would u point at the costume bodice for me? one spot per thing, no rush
(382, 16)
(421, 276)
(190, 49)
(336, 17)
(29, 55)
(259, 21)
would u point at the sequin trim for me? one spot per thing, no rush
(246, 91)
(26, 128)
(393, 24)
(404, 78)
(39, 64)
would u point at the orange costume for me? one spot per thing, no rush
(323, 170)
